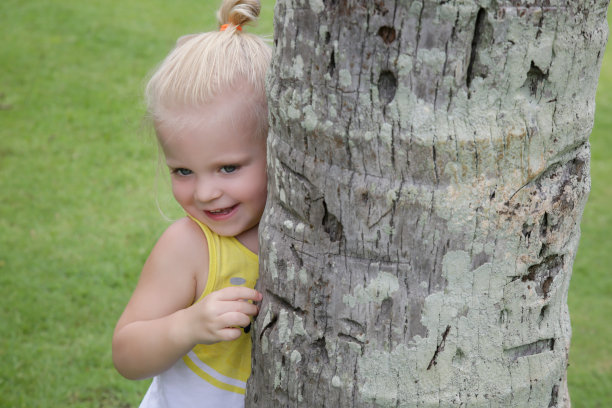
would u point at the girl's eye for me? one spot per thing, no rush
(229, 169)
(182, 172)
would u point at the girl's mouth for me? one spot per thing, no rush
(221, 213)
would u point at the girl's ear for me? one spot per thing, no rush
(184, 39)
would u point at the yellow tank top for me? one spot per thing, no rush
(231, 264)
(212, 376)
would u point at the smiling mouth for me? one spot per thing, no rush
(221, 212)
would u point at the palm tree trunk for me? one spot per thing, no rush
(428, 168)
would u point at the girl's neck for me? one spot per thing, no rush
(250, 239)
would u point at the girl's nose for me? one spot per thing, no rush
(207, 190)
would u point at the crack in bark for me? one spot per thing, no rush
(268, 326)
(419, 27)
(478, 30)
(350, 338)
(353, 324)
(284, 303)
(573, 167)
(435, 163)
(554, 395)
(439, 349)
(297, 255)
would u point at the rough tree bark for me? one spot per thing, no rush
(428, 164)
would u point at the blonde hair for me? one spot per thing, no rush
(202, 65)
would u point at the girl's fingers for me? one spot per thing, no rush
(238, 306)
(229, 333)
(215, 307)
(237, 293)
(234, 319)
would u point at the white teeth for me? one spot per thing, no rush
(219, 211)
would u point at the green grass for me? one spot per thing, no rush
(78, 208)
(78, 199)
(590, 297)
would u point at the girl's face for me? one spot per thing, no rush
(217, 163)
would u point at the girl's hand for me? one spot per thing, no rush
(221, 315)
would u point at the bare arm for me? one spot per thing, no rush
(158, 326)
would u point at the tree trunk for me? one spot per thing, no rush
(428, 168)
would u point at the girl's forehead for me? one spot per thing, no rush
(226, 121)
(228, 103)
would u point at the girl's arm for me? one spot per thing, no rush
(158, 326)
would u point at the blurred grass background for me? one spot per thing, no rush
(78, 194)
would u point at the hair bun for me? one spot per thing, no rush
(238, 12)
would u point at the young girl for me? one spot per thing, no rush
(188, 319)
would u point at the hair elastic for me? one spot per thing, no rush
(224, 27)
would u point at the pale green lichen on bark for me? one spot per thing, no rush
(346, 79)
(317, 5)
(310, 119)
(380, 288)
(271, 265)
(403, 375)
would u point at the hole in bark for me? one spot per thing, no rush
(386, 307)
(543, 274)
(332, 64)
(327, 37)
(544, 225)
(546, 285)
(578, 168)
(543, 251)
(365, 196)
(321, 352)
(387, 34)
(527, 231)
(543, 314)
(331, 225)
(530, 349)
(387, 85)
(535, 77)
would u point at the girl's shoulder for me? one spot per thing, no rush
(185, 230)
(183, 245)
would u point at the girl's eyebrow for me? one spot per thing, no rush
(232, 159)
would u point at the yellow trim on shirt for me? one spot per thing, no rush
(210, 379)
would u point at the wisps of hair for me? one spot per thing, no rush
(201, 65)
(238, 12)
